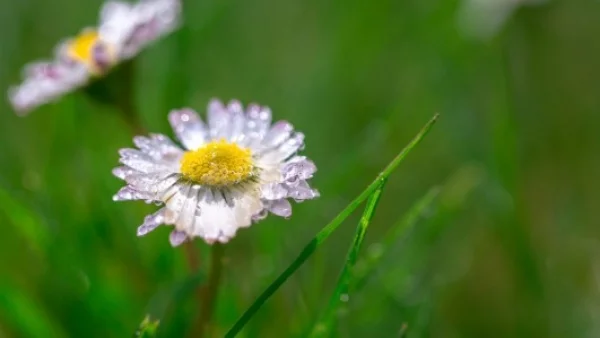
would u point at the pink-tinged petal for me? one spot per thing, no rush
(151, 222)
(299, 167)
(302, 192)
(281, 208)
(176, 238)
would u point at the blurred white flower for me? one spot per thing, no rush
(124, 29)
(233, 171)
(484, 18)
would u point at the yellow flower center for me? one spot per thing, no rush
(81, 49)
(218, 164)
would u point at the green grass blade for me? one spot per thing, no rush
(327, 230)
(341, 290)
(366, 265)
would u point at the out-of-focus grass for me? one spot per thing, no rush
(325, 326)
(516, 258)
(370, 194)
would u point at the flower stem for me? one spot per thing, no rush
(210, 292)
(192, 257)
(124, 100)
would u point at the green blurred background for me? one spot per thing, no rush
(509, 249)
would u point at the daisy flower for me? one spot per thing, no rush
(124, 29)
(232, 171)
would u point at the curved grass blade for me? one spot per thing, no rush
(341, 292)
(366, 265)
(327, 230)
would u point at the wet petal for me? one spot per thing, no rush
(124, 171)
(177, 238)
(218, 118)
(189, 128)
(151, 222)
(141, 162)
(294, 144)
(273, 191)
(279, 133)
(302, 192)
(299, 167)
(281, 208)
(128, 193)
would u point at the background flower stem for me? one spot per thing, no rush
(209, 292)
(123, 98)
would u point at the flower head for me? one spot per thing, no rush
(124, 29)
(232, 171)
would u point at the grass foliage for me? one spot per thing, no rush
(504, 245)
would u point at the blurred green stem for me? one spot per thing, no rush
(126, 99)
(209, 292)
(192, 257)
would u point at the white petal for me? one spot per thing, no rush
(298, 167)
(177, 238)
(189, 128)
(258, 120)
(279, 133)
(117, 22)
(218, 118)
(150, 163)
(260, 215)
(302, 192)
(281, 208)
(187, 214)
(219, 217)
(128, 193)
(124, 171)
(177, 200)
(287, 149)
(154, 183)
(113, 9)
(158, 146)
(43, 86)
(273, 191)
(151, 222)
(238, 124)
(260, 115)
